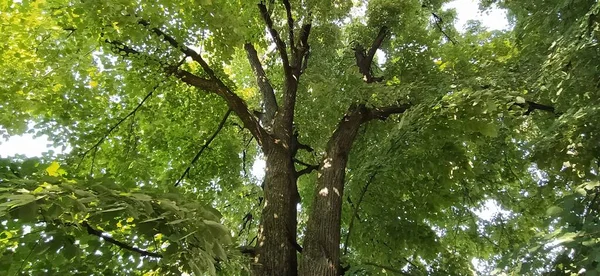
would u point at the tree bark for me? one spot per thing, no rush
(321, 253)
(277, 245)
(322, 243)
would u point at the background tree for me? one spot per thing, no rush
(382, 128)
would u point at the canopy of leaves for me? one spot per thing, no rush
(497, 118)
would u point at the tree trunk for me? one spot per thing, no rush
(321, 251)
(276, 248)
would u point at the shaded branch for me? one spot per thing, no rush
(377, 43)
(304, 147)
(303, 48)
(248, 250)
(364, 58)
(196, 81)
(281, 47)
(266, 89)
(121, 47)
(309, 168)
(297, 145)
(356, 208)
(384, 112)
(292, 70)
(184, 49)
(213, 84)
(206, 144)
(290, 22)
(120, 244)
(532, 106)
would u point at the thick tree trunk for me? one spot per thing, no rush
(276, 248)
(322, 243)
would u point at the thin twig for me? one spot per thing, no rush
(356, 208)
(93, 161)
(438, 21)
(206, 144)
(95, 146)
(120, 244)
(26, 258)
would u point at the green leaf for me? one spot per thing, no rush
(553, 211)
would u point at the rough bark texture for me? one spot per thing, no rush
(321, 246)
(277, 233)
(264, 85)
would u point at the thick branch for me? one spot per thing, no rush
(303, 49)
(532, 106)
(184, 49)
(198, 82)
(281, 47)
(205, 146)
(266, 89)
(377, 43)
(120, 244)
(248, 250)
(364, 59)
(309, 168)
(290, 22)
(121, 47)
(214, 84)
(384, 112)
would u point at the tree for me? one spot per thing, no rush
(382, 128)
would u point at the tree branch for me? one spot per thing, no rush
(309, 168)
(196, 81)
(384, 112)
(290, 22)
(356, 208)
(184, 49)
(99, 142)
(438, 23)
(248, 250)
(120, 244)
(206, 144)
(266, 89)
(377, 43)
(364, 59)
(303, 49)
(121, 47)
(281, 47)
(213, 84)
(532, 106)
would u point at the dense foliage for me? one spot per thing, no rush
(176, 109)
